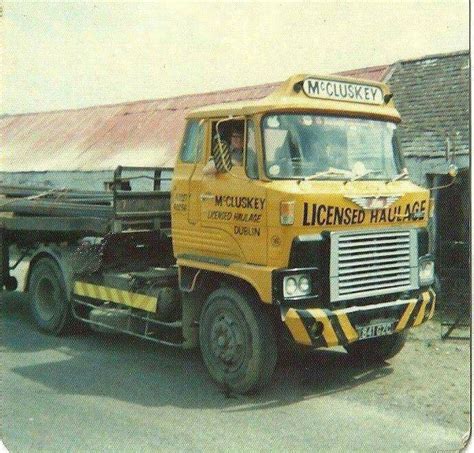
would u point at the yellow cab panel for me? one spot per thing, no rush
(328, 182)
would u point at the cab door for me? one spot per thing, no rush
(184, 205)
(234, 209)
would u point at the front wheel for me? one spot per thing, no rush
(377, 349)
(237, 340)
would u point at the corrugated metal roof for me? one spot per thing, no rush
(145, 133)
(377, 73)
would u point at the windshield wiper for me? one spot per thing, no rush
(402, 175)
(367, 172)
(329, 172)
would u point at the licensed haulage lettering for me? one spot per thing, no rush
(219, 215)
(343, 91)
(411, 212)
(229, 201)
(321, 214)
(240, 217)
(387, 215)
(415, 210)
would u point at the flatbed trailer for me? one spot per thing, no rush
(111, 238)
(49, 212)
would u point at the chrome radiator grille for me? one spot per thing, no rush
(372, 263)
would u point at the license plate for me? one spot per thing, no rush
(375, 330)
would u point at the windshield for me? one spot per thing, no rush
(327, 147)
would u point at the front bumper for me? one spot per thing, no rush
(320, 327)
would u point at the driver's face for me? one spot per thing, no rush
(236, 140)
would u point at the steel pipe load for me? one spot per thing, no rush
(50, 208)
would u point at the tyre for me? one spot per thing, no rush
(237, 340)
(377, 349)
(50, 304)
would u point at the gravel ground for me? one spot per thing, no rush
(96, 392)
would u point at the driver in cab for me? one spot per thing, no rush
(334, 153)
(236, 151)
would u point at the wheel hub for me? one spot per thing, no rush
(47, 296)
(226, 340)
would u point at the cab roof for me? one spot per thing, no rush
(290, 97)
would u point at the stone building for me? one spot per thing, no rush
(432, 95)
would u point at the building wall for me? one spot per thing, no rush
(93, 180)
(421, 169)
(76, 180)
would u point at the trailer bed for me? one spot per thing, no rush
(42, 213)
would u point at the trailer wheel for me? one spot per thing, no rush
(237, 341)
(50, 304)
(377, 349)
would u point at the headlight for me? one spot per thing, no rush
(426, 272)
(290, 286)
(296, 285)
(304, 284)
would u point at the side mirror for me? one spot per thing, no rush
(453, 170)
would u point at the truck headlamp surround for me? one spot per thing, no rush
(426, 271)
(296, 285)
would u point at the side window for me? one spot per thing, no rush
(231, 133)
(191, 151)
(251, 166)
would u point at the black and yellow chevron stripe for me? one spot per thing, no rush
(338, 325)
(416, 312)
(107, 294)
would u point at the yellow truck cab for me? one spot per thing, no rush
(290, 220)
(318, 230)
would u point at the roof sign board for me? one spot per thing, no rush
(342, 91)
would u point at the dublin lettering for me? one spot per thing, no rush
(246, 231)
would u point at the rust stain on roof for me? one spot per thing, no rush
(376, 73)
(144, 133)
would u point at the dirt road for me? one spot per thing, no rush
(100, 392)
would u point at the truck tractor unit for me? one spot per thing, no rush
(309, 235)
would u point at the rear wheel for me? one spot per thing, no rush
(237, 341)
(377, 349)
(50, 304)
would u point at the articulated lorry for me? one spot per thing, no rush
(314, 237)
